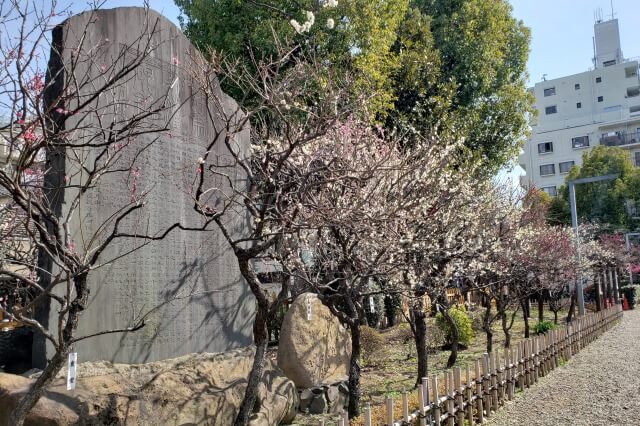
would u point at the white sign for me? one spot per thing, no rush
(71, 370)
(372, 304)
(308, 309)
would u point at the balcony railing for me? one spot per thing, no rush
(621, 138)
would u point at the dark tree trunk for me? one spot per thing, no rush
(420, 337)
(455, 338)
(598, 297)
(555, 317)
(489, 334)
(354, 372)
(506, 329)
(260, 339)
(540, 307)
(486, 324)
(572, 308)
(525, 317)
(19, 414)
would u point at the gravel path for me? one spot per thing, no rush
(599, 386)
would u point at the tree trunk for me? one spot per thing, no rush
(420, 338)
(598, 299)
(540, 307)
(455, 338)
(572, 308)
(555, 317)
(77, 305)
(260, 339)
(354, 372)
(19, 414)
(525, 317)
(489, 334)
(506, 330)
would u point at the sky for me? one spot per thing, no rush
(561, 32)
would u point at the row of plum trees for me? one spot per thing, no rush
(340, 190)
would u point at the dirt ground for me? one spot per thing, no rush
(392, 367)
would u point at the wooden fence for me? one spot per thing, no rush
(449, 400)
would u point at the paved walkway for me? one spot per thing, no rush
(599, 386)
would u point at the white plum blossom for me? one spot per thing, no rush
(304, 28)
(330, 23)
(330, 3)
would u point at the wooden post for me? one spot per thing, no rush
(480, 396)
(436, 401)
(469, 395)
(520, 367)
(496, 383)
(422, 421)
(389, 411)
(486, 384)
(457, 381)
(367, 416)
(451, 409)
(405, 406)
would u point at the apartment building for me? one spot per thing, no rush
(575, 113)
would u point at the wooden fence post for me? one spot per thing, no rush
(390, 411)
(486, 384)
(367, 415)
(451, 409)
(421, 404)
(479, 393)
(436, 401)
(405, 406)
(469, 395)
(457, 381)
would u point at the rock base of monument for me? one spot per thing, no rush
(322, 399)
(192, 389)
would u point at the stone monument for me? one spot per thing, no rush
(203, 304)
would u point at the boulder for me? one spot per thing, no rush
(311, 352)
(194, 389)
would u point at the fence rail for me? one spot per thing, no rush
(449, 400)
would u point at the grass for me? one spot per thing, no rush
(392, 367)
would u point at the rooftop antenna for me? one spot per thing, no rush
(598, 15)
(613, 14)
(544, 77)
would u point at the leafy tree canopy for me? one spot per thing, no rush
(604, 202)
(455, 66)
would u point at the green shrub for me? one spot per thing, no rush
(463, 322)
(544, 326)
(630, 293)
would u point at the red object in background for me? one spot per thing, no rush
(625, 304)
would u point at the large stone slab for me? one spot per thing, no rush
(196, 389)
(313, 351)
(211, 309)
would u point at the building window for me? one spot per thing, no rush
(551, 190)
(579, 105)
(566, 166)
(631, 72)
(577, 86)
(600, 98)
(549, 91)
(551, 110)
(609, 63)
(634, 109)
(545, 147)
(598, 79)
(547, 169)
(632, 92)
(580, 142)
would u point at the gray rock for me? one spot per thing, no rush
(318, 405)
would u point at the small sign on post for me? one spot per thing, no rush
(308, 309)
(372, 304)
(71, 370)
